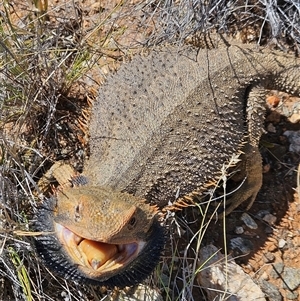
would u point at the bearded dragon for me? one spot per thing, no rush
(162, 130)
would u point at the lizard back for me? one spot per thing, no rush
(164, 125)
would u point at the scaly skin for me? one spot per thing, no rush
(163, 129)
(165, 125)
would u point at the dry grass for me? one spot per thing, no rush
(42, 59)
(48, 59)
(259, 21)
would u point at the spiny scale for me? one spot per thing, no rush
(165, 124)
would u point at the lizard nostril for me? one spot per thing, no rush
(77, 213)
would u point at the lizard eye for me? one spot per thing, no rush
(131, 223)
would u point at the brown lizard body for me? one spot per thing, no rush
(161, 131)
(163, 127)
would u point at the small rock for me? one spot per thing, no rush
(277, 270)
(245, 246)
(222, 278)
(271, 128)
(290, 278)
(260, 214)
(270, 290)
(294, 139)
(264, 276)
(249, 221)
(141, 293)
(239, 230)
(273, 101)
(281, 243)
(270, 219)
(286, 110)
(268, 257)
(295, 118)
(96, 7)
(64, 294)
(292, 295)
(268, 230)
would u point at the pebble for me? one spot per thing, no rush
(295, 118)
(277, 270)
(270, 219)
(290, 278)
(281, 243)
(224, 279)
(273, 101)
(294, 139)
(270, 290)
(245, 246)
(249, 221)
(239, 230)
(142, 293)
(268, 230)
(260, 214)
(65, 295)
(268, 257)
(292, 295)
(271, 128)
(264, 276)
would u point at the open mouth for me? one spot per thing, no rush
(96, 256)
(87, 259)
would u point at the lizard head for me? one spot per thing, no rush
(99, 236)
